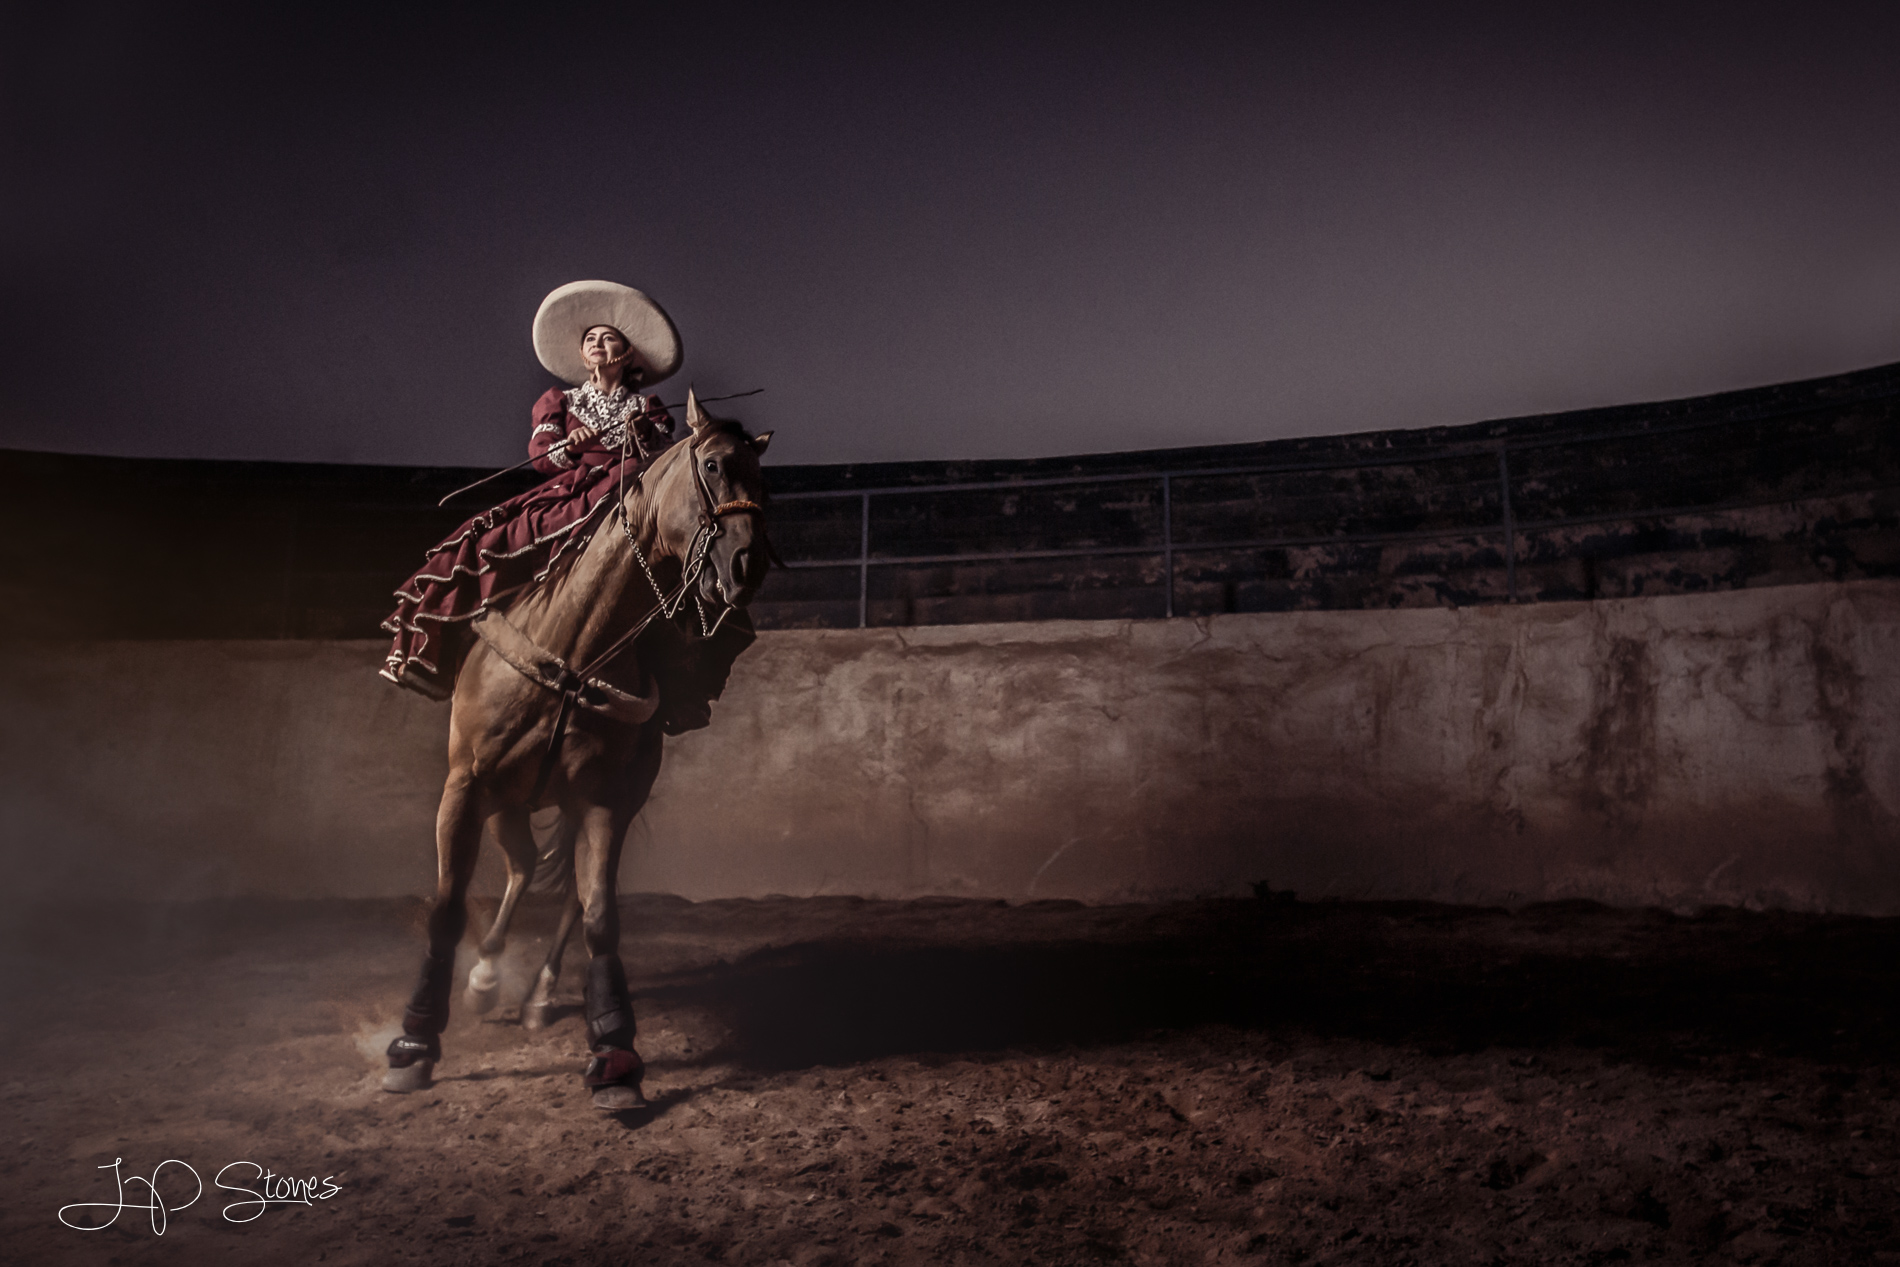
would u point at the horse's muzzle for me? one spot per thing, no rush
(748, 569)
(736, 583)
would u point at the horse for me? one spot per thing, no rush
(551, 707)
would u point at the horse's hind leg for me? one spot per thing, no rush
(534, 1013)
(458, 836)
(517, 842)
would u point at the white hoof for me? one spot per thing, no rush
(534, 1015)
(417, 1077)
(484, 987)
(619, 1098)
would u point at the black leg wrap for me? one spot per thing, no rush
(428, 1012)
(609, 1010)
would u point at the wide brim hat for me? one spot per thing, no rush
(572, 310)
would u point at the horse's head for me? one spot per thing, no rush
(713, 484)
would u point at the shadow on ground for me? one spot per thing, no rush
(1649, 985)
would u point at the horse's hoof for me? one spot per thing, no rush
(619, 1098)
(534, 1015)
(417, 1077)
(484, 987)
(614, 1073)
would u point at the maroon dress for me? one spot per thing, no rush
(500, 552)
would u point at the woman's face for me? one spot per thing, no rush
(602, 344)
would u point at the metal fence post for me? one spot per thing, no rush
(1510, 525)
(864, 559)
(1167, 537)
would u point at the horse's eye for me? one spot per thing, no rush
(711, 465)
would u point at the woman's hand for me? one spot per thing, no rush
(580, 435)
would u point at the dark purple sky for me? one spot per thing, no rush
(965, 234)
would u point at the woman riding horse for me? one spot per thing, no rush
(608, 340)
(546, 622)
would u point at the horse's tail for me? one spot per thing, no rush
(554, 869)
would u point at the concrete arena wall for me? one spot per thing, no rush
(1739, 747)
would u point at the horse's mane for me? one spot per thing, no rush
(724, 426)
(730, 427)
(714, 426)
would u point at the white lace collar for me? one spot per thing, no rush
(606, 412)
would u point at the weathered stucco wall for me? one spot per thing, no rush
(1732, 747)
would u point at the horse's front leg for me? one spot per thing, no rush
(458, 836)
(614, 1069)
(517, 842)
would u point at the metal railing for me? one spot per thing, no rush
(1508, 529)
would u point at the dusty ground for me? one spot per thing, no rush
(838, 1081)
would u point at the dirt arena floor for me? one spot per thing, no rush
(839, 1081)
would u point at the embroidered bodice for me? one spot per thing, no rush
(610, 414)
(606, 412)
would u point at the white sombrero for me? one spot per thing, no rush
(572, 310)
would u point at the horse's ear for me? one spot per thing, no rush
(695, 416)
(760, 440)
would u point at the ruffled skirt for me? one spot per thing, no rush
(486, 563)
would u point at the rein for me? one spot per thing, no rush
(667, 604)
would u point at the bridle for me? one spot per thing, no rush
(710, 515)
